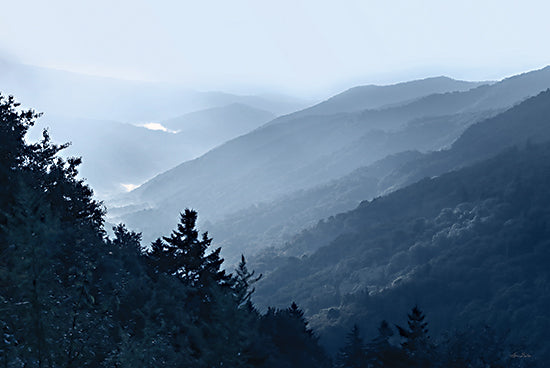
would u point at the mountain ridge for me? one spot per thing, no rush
(270, 161)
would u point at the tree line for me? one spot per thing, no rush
(411, 346)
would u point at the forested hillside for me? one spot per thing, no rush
(470, 246)
(278, 220)
(525, 122)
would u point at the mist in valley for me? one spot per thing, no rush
(290, 184)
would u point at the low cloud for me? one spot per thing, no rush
(157, 126)
(129, 187)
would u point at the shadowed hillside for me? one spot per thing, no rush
(471, 246)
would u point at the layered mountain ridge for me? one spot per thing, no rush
(300, 151)
(470, 245)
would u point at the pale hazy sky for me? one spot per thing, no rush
(300, 46)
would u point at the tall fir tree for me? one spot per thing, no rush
(243, 282)
(184, 254)
(416, 341)
(353, 354)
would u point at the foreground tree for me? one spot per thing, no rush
(382, 353)
(353, 354)
(50, 227)
(289, 340)
(416, 341)
(243, 282)
(184, 255)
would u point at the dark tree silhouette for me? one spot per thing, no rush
(183, 254)
(243, 282)
(381, 353)
(416, 342)
(353, 354)
(291, 342)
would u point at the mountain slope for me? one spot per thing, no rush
(131, 154)
(528, 122)
(470, 247)
(276, 222)
(114, 153)
(219, 124)
(281, 156)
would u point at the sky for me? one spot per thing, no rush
(305, 47)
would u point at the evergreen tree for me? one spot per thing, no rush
(380, 351)
(49, 304)
(416, 342)
(13, 154)
(31, 233)
(14, 125)
(353, 354)
(183, 254)
(243, 281)
(293, 343)
(49, 227)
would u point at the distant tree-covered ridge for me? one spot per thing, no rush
(71, 296)
(471, 246)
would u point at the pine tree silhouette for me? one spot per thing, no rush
(353, 354)
(243, 281)
(417, 344)
(183, 254)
